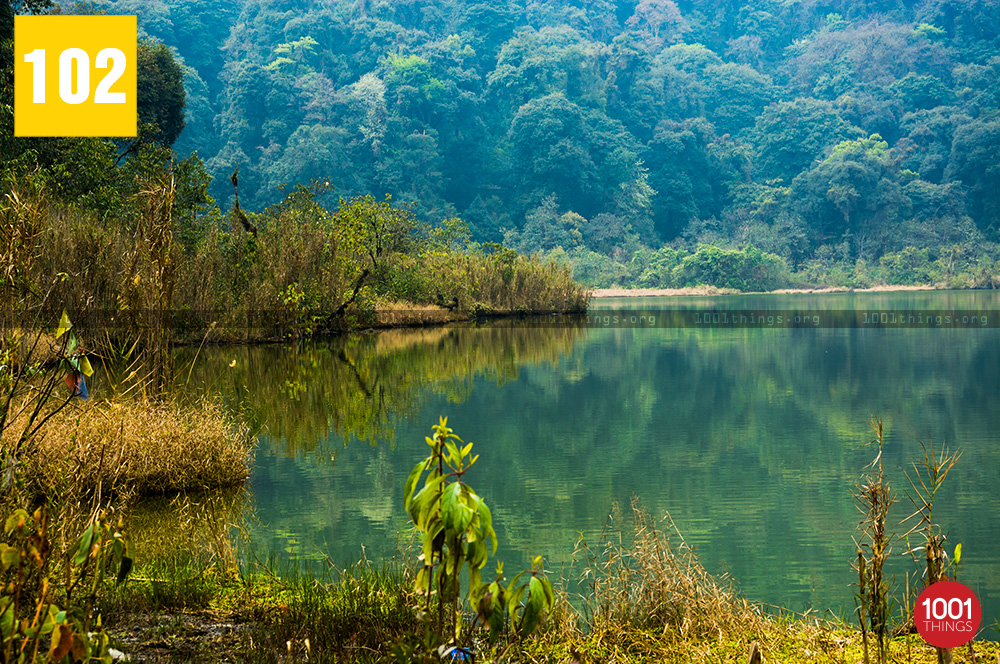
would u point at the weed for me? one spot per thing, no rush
(928, 477)
(873, 497)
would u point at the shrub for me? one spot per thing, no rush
(743, 269)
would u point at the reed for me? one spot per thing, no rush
(655, 582)
(873, 498)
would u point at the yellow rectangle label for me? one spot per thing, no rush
(75, 76)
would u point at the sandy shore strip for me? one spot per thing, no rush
(712, 290)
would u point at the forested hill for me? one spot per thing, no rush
(823, 132)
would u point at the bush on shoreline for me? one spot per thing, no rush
(294, 269)
(751, 270)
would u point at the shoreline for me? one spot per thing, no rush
(703, 291)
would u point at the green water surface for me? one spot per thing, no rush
(751, 438)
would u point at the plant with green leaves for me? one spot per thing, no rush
(46, 596)
(35, 585)
(457, 532)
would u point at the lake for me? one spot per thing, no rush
(751, 435)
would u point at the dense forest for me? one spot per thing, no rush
(650, 143)
(844, 141)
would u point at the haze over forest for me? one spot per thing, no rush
(853, 139)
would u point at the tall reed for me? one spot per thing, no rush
(873, 498)
(928, 476)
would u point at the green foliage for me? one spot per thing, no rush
(160, 89)
(50, 578)
(640, 121)
(46, 598)
(457, 533)
(908, 266)
(744, 270)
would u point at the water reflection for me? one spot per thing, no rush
(751, 438)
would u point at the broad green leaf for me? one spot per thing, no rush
(486, 524)
(462, 515)
(11, 556)
(86, 542)
(6, 617)
(50, 622)
(496, 622)
(423, 579)
(550, 594)
(536, 594)
(475, 580)
(15, 520)
(533, 607)
(64, 325)
(514, 594)
(449, 505)
(411, 482)
(424, 500)
(476, 555)
(428, 547)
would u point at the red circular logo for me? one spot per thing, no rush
(947, 614)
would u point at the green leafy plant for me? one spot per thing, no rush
(33, 591)
(457, 534)
(50, 578)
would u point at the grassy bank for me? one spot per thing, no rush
(645, 598)
(312, 263)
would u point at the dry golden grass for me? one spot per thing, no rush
(398, 314)
(648, 599)
(657, 583)
(141, 447)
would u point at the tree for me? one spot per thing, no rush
(657, 22)
(368, 234)
(921, 92)
(856, 192)
(160, 91)
(735, 95)
(975, 160)
(927, 139)
(551, 152)
(545, 229)
(684, 174)
(791, 136)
